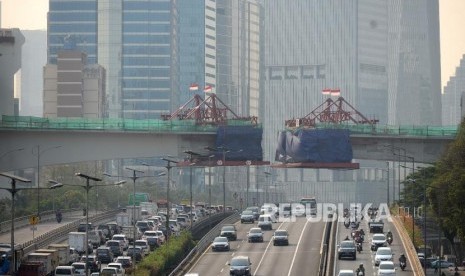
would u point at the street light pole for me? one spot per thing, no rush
(39, 152)
(87, 187)
(57, 184)
(387, 164)
(168, 167)
(134, 177)
(13, 191)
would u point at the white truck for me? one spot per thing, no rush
(45, 258)
(54, 253)
(137, 213)
(149, 208)
(122, 219)
(128, 231)
(63, 252)
(77, 240)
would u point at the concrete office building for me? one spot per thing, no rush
(72, 88)
(34, 57)
(453, 101)
(136, 43)
(11, 41)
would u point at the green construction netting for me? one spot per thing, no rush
(28, 122)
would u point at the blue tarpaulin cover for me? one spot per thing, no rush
(314, 146)
(243, 143)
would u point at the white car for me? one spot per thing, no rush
(346, 272)
(109, 271)
(65, 270)
(119, 268)
(378, 240)
(122, 239)
(79, 268)
(144, 245)
(386, 268)
(383, 254)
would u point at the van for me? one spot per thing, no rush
(116, 247)
(65, 270)
(104, 254)
(265, 222)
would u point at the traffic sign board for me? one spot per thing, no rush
(33, 220)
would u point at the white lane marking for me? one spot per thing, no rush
(297, 248)
(266, 249)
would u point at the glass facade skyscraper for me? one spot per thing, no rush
(72, 22)
(382, 55)
(197, 46)
(136, 41)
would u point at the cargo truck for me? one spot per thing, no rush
(122, 219)
(31, 269)
(54, 253)
(63, 252)
(77, 240)
(45, 258)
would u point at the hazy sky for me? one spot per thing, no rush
(32, 15)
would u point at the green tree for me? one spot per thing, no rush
(448, 193)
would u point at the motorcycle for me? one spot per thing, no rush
(58, 217)
(359, 247)
(389, 240)
(360, 272)
(402, 265)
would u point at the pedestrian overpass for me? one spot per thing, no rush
(66, 140)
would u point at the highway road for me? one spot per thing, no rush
(300, 257)
(367, 256)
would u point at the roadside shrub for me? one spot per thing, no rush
(166, 257)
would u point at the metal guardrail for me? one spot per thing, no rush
(325, 249)
(62, 232)
(331, 253)
(5, 226)
(204, 242)
(409, 248)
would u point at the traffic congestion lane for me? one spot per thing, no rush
(367, 257)
(264, 256)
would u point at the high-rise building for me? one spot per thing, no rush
(34, 57)
(239, 60)
(414, 62)
(11, 41)
(382, 55)
(453, 101)
(197, 46)
(73, 88)
(136, 43)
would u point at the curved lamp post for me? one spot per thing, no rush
(13, 190)
(168, 209)
(87, 187)
(38, 153)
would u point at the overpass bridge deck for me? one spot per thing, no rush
(189, 125)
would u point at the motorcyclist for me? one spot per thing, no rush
(58, 216)
(403, 260)
(389, 236)
(360, 269)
